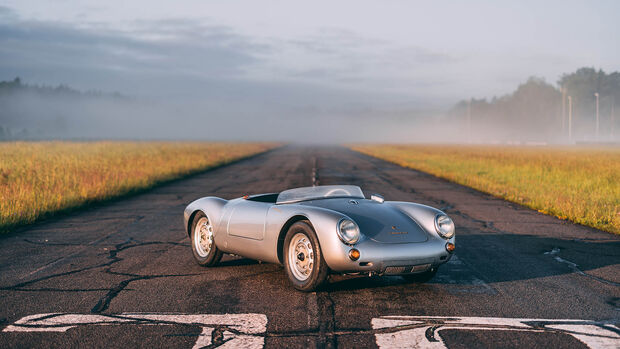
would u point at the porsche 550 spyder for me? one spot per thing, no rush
(314, 231)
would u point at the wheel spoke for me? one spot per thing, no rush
(203, 237)
(301, 257)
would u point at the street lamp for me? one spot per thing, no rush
(597, 122)
(613, 121)
(563, 110)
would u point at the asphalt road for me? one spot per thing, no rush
(122, 274)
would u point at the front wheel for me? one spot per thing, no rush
(204, 249)
(420, 277)
(303, 258)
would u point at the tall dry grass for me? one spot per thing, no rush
(41, 178)
(581, 184)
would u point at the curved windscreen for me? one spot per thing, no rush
(320, 192)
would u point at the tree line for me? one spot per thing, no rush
(539, 111)
(17, 86)
(29, 111)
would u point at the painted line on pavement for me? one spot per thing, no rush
(423, 331)
(250, 330)
(239, 330)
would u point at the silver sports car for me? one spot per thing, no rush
(313, 231)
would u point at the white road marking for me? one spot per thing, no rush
(204, 338)
(244, 330)
(422, 331)
(248, 330)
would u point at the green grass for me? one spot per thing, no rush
(581, 184)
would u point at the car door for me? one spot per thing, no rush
(247, 219)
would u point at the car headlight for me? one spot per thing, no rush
(348, 231)
(444, 226)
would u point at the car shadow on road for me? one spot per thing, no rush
(511, 257)
(360, 282)
(229, 261)
(490, 258)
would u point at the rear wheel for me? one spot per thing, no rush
(204, 249)
(420, 277)
(303, 258)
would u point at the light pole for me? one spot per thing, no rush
(613, 121)
(597, 121)
(570, 118)
(563, 110)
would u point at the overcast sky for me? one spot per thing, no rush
(434, 52)
(319, 71)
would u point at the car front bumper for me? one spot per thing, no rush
(390, 259)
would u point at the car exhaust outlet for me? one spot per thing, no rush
(354, 254)
(450, 247)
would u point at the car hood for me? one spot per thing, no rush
(380, 222)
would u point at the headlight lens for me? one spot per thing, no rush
(348, 231)
(444, 226)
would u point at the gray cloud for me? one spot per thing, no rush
(159, 49)
(186, 57)
(7, 14)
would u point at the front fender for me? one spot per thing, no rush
(422, 214)
(324, 221)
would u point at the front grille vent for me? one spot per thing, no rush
(396, 270)
(407, 269)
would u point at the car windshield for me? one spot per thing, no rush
(320, 192)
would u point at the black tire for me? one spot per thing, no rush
(420, 277)
(213, 256)
(319, 269)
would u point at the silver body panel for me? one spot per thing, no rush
(394, 234)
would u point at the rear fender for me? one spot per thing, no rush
(211, 206)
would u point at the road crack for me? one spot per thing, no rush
(575, 267)
(112, 259)
(327, 321)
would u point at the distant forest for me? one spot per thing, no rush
(539, 111)
(39, 111)
(16, 85)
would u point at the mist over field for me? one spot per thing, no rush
(44, 113)
(400, 73)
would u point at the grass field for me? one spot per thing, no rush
(581, 184)
(38, 179)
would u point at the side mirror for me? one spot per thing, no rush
(378, 198)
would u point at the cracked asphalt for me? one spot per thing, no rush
(132, 256)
